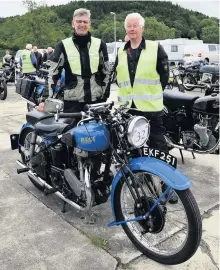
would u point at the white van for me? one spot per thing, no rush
(201, 51)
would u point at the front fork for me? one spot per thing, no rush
(137, 198)
(146, 215)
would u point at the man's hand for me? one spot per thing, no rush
(41, 107)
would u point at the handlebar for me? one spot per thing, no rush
(102, 104)
(71, 115)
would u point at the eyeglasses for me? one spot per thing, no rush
(80, 21)
(132, 26)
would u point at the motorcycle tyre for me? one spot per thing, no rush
(39, 187)
(3, 95)
(187, 88)
(194, 231)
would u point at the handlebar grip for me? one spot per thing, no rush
(105, 104)
(214, 85)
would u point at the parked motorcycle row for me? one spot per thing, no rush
(9, 73)
(189, 77)
(33, 88)
(62, 154)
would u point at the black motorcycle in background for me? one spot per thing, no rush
(194, 75)
(192, 122)
(12, 71)
(3, 85)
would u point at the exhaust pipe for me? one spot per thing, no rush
(180, 147)
(44, 184)
(190, 85)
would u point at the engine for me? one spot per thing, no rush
(204, 135)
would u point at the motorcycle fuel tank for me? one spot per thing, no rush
(207, 105)
(91, 137)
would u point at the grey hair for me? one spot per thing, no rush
(29, 46)
(81, 12)
(135, 16)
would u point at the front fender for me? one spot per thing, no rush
(171, 176)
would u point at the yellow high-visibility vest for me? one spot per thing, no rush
(147, 91)
(27, 66)
(74, 56)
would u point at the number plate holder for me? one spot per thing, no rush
(161, 155)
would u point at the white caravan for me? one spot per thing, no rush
(175, 47)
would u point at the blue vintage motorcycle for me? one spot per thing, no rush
(62, 154)
(34, 88)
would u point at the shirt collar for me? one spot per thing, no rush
(141, 46)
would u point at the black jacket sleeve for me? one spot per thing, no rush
(57, 62)
(162, 66)
(104, 70)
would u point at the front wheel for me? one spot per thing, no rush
(173, 233)
(3, 90)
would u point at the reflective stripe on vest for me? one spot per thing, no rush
(74, 56)
(27, 66)
(142, 97)
(139, 81)
(147, 90)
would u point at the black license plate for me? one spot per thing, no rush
(161, 155)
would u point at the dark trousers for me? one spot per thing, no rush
(157, 129)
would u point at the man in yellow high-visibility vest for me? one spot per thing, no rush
(85, 61)
(28, 60)
(142, 74)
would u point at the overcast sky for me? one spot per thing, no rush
(15, 7)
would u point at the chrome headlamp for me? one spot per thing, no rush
(138, 131)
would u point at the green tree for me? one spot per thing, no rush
(191, 33)
(207, 22)
(210, 34)
(155, 30)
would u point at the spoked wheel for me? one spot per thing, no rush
(3, 90)
(27, 141)
(173, 232)
(186, 81)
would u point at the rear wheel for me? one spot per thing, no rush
(173, 233)
(3, 90)
(26, 144)
(186, 81)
